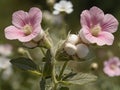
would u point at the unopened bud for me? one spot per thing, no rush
(82, 50)
(72, 38)
(50, 2)
(21, 50)
(70, 49)
(94, 66)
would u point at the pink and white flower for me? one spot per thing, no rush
(97, 27)
(112, 67)
(26, 25)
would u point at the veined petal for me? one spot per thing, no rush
(97, 15)
(12, 32)
(20, 18)
(86, 19)
(109, 23)
(35, 16)
(106, 37)
(82, 35)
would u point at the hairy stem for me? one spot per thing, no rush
(62, 70)
(42, 84)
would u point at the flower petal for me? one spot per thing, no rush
(20, 18)
(97, 15)
(31, 36)
(109, 23)
(12, 32)
(57, 6)
(35, 16)
(55, 12)
(106, 37)
(86, 19)
(69, 5)
(68, 11)
(82, 36)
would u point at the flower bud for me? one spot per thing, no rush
(94, 66)
(50, 2)
(82, 50)
(21, 50)
(70, 49)
(72, 38)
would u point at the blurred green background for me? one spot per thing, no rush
(26, 81)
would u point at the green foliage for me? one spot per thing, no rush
(80, 79)
(48, 66)
(25, 64)
(64, 88)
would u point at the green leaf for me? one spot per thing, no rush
(48, 66)
(24, 64)
(64, 88)
(80, 79)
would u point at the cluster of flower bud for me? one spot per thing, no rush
(74, 46)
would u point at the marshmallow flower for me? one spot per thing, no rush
(97, 27)
(112, 67)
(26, 25)
(63, 6)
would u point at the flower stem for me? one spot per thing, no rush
(62, 70)
(42, 84)
(55, 82)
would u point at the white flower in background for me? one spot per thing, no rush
(63, 6)
(5, 50)
(6, 66)
(4, 63)
(7, 73)
(52, 19)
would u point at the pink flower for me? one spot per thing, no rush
(97, 27)
(112, 67)
(26, 25)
